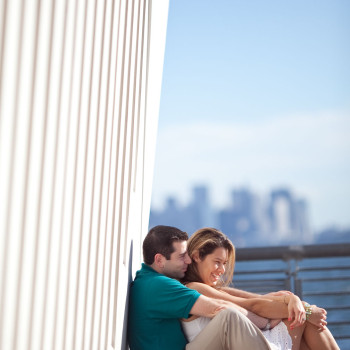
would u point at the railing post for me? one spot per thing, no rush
(298, 288)
(289, 276)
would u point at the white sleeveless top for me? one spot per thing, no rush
(278, 337)
(193, 328)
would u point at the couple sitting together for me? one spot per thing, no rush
(180, 299)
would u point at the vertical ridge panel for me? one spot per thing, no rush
(74, 144)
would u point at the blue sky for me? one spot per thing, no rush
(257, 94)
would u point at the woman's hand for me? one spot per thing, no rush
(318, 317)
(296, 311)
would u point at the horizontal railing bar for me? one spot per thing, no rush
(338, 323)
(293, 252)
(342, 337)
(260, 271)
(345, 307)
(322, 268)
(324, 279)
(326, 293)
(261, 280)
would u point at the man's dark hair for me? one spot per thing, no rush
(159, 240)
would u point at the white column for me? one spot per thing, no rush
(79, 99)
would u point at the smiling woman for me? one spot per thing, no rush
(213, 255)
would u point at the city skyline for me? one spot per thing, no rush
(257, 94)
(249, 219)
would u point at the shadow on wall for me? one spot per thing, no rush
(125, 345)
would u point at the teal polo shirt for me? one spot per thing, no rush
(156, 304)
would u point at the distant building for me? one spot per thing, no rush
(333, 235)
(289, 217)
(241, 221)
(200, 209)
(282, 214)
(171, 214)
(302, 221)
(197, 214)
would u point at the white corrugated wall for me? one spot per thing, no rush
(79, 98)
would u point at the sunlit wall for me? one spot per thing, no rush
(79, 98)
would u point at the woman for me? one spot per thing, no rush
(211, 271)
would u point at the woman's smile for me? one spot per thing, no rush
(215, 277)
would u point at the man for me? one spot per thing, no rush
(158, 300)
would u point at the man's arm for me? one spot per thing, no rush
(208, 307)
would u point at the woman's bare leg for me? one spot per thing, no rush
(310, 337)
(318, 339)
(316, 334)
(303, 345)
(296, 334)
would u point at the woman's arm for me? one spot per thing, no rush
(248, 295)
(259, 321)
(240, 293)
(317, 318)
(275, 307)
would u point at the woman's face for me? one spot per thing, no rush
(212, 266)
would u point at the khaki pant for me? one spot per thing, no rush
(229, 330)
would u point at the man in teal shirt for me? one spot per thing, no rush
(158, 300)
(158, 326)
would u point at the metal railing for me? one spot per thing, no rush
(319, 274)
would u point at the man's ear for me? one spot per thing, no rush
(195, 256)
(159, 260)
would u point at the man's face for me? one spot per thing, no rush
(179, 260)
